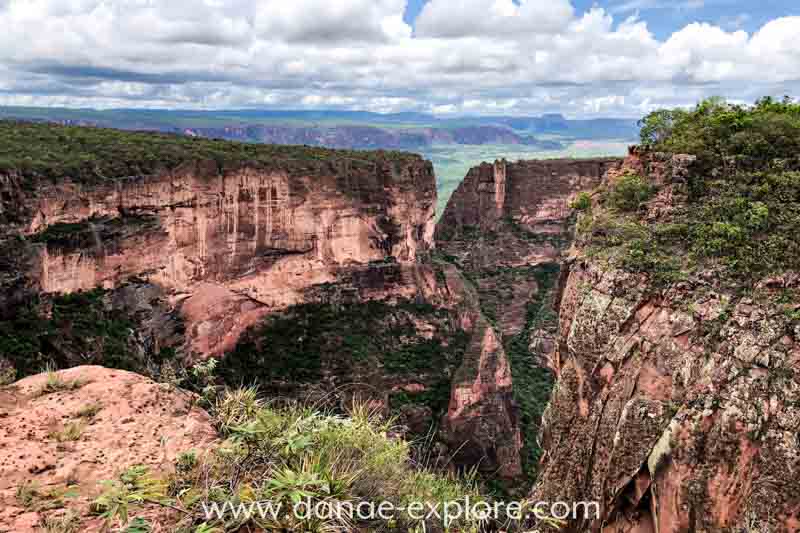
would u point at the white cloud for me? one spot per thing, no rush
(706, 53)
(478, 56)
(331, 21)
(492, 18)
(642, 5)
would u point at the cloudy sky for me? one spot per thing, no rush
(579, 57)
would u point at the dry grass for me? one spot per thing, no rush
(56, 383)
(89, 411)
(69, 433)
(66, 522)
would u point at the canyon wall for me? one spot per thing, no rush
(675, 403)
(231, 246)
(506, 228)
(307, 271)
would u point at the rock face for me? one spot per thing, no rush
(533, 194)
(230, 247)
(124, 420)
(675, 408)
(481, 424)
(506, 227)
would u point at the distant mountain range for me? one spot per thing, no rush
(344, 129)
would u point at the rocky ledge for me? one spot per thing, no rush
(62, 433)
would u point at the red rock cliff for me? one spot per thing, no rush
(506, 227)
(229, 246)
(675, 408)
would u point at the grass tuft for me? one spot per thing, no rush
(89, 411)
(294, 453)
(66, 522)
(56, 383)
(69, 433)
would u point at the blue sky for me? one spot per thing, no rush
(582, 58)
(663, 17)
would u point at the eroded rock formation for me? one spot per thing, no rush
(507, 227)
(675, 407)
(232, 246)
(223, 252)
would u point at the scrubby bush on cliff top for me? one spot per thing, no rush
(278, 456)
(742, 208)
(716, 130)
(96, 154)
(289, 455)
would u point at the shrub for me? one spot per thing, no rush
(134, 487)
(630, 193)
(291, 454)
(66, 522)
(306, 342)
(56, 383)
(716, 132)
(27, 493)
(742, 212)
(84, 154)
(70, 432)
(583, 202)
(89, 411)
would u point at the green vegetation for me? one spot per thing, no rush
(90, 233)
(583, 202)
(630, 192)
(724, 135)
(27, 493)
(38, 150)
(742, 209)
(353, 340)
(138, 525)
(60, 330)
(635, 246)
(31, 496)
(135, 486)
(56, 383)
(285, 456)
(532, 383)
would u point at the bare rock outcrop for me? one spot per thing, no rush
(65, 439)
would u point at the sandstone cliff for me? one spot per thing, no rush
(677, 381)
(506, 228)
(227, 243)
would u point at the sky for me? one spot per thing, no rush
(581, 58)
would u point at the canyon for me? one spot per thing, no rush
(190, 262)
(519, 326)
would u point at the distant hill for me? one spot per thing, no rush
(343, 129)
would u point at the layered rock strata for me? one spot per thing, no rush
(675, 406)
(231, 246)
(507, 227)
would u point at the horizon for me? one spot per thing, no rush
(254, 110)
